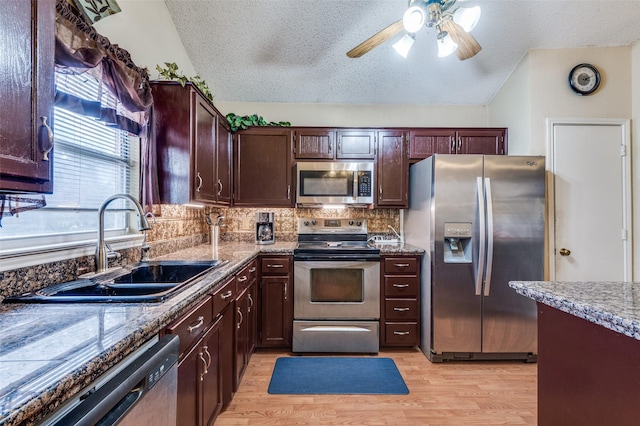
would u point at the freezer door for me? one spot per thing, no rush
(455, 307)
(517, 188)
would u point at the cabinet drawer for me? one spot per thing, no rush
(275, 265)
(223, 296)
(246, 276)
(400, 265)
(401, 334)
(401, 286)
(192, 325)
(401, 309)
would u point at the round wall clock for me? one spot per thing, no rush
(584, 79)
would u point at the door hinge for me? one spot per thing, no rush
(623, 150)
(624, 235)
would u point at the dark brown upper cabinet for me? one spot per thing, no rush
(393, 169)
(26, 96)
(356, 144)
(315, 144)
(425, 142)
(262, 167)
(193, 146)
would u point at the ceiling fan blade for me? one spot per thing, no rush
(376, 39)
(467, 44)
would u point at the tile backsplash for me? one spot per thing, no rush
(178, 227)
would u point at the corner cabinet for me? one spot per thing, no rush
(425, 142)
(26, 95)
(190, 135)
(276, 302)
(263, 172)
(400, 299)
(393, 169)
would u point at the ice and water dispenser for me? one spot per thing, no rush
(457, 242)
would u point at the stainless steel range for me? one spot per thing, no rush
(336, 304)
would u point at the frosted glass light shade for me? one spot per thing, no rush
(446, 46)
(414, 19)
(467, 17)
(403, 45)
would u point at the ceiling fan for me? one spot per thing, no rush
(452, 28)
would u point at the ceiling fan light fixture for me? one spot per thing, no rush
(467, 17)
(403, 45)
(446, 45)
(414, 19)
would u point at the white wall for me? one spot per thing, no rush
(511, 108)
(145, 29)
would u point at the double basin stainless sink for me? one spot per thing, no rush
(152, 281)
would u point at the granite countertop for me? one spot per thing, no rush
(614, 305)
(50, 352)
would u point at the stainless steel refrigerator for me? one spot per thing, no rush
(481, 221)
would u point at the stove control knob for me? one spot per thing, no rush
(306, 223)
(359, 223)
(350, 223)
(313, 222)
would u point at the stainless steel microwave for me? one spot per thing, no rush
(336, 182)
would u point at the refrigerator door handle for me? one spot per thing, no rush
(481, 245)
(487, 281)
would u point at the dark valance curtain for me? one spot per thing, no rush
(80, 49)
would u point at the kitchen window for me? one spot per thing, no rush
(92, 161)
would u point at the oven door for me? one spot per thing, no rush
(336, 290)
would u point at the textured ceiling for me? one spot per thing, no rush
(295, 50)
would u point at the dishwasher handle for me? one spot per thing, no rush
(110, 403)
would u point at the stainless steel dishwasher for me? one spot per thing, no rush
(143, 393)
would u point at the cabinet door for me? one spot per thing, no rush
(209, 375)
(189, 388)
(227, 353)
(316, 144)
(425, 142)
(356, 144)
(481, 141)
(393, 170)
(26, 95)
(204, 134)
(276, 311)
(262, 175)
(252, 319)
(224, 145)
(241, 338)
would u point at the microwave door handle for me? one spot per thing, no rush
(355, 185)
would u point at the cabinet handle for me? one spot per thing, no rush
(250, 300)
(205, 367)
(339, 147)
(220, 185)
(252, 270)
(401, 265)
(401, 285)
(330, 146)
(275, 265)
(288, 192)
(241, 317)
(197, 325)
(380, 190)
(206, 351)
(227, 295)
(459, 143)
(401, 309)
(199, 182)
(45, 134)
(401, 333)
(285, 291)
(453, 146)
(242, 278)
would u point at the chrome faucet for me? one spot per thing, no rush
(144, 250)
(103, 251)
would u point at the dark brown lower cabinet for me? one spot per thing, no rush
(199, 385)
(587, 374)
(276, 301)
(400, 301)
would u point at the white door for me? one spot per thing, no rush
(590, 200)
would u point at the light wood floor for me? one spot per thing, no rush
(459, 393)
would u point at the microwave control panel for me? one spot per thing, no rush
(364, 184)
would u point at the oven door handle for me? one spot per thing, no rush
(338, 257)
